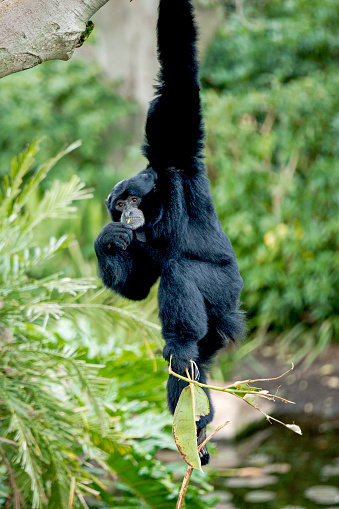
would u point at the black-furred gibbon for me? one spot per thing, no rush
(164, 224)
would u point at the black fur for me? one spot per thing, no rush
(184, 243)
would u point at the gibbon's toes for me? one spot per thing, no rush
(203, 454)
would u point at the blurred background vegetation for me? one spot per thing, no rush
(270, 93)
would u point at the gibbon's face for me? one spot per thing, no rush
(130, 212)
(124, 201)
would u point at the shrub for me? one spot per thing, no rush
(271, 106)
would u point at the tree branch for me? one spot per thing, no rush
(33, 31)
(189, 471)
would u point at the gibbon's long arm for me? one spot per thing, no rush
(174, 131)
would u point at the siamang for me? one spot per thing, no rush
(164, 224)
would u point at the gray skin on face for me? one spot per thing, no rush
(131, 214)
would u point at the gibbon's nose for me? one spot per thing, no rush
(129, 213)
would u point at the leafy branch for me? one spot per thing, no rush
(193, 404)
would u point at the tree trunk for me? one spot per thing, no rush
(33, 31)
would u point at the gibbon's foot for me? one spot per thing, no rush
(180, 356)
(203, 454)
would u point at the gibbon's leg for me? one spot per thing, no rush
(184, 323)
(182, 312)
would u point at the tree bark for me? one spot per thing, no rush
(33, 31)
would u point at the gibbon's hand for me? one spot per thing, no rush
(114, 235)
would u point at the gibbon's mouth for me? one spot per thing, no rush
(135, 222)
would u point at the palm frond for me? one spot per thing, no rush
(57, 410)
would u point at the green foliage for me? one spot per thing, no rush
(281, 40)
(67, 422)
(63, 102)
(86, 33)
(48, 397)
(271, 108)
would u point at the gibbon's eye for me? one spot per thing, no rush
(134, 200)
(120, 204)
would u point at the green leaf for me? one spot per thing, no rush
(201, 403)
(240, 390)
(184, 427)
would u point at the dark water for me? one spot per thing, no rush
(277, 469)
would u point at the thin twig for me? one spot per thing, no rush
(262, 379)
(189, 471)
(231, 391)
(183, 490)
(212, 435)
